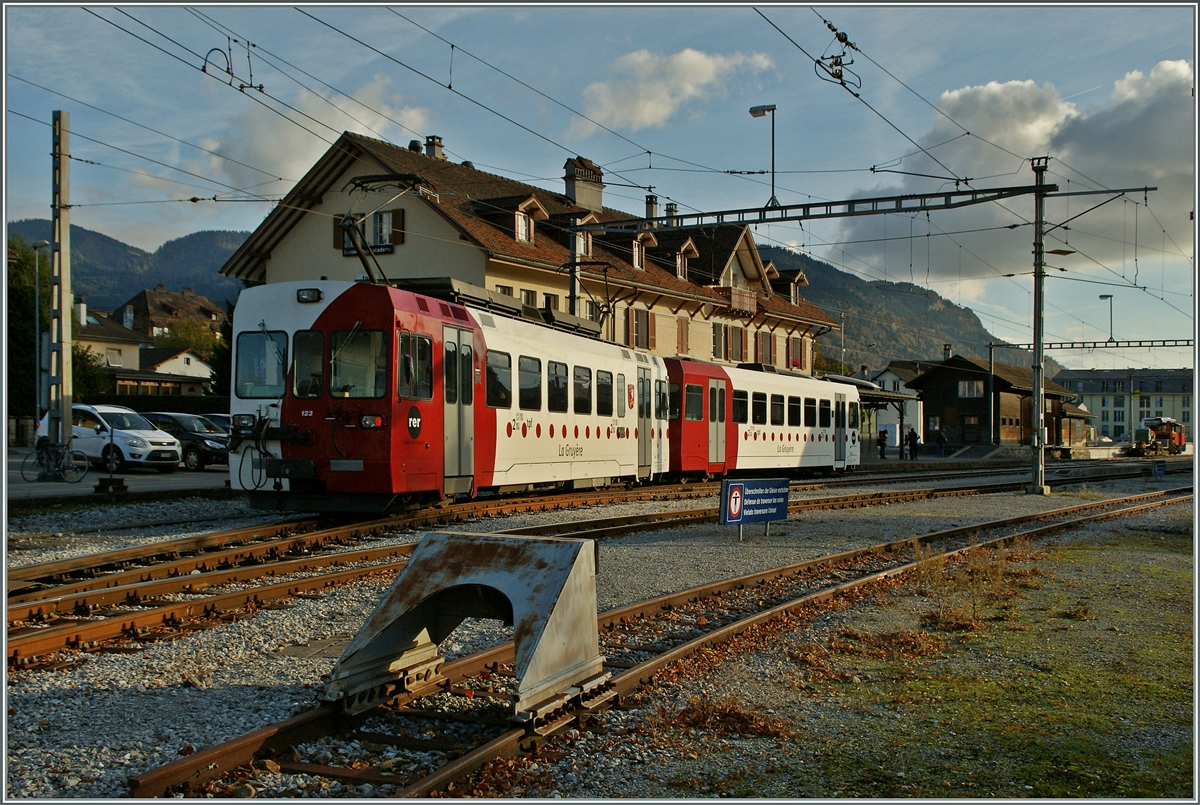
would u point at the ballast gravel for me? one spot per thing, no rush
(82, 731)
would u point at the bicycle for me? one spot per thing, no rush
(53, 460)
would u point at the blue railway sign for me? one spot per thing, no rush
(754, 501)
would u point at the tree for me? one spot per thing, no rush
(89, 375)
(222, 356)
(189, 334)
(21, 336)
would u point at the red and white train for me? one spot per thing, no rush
(367, 397)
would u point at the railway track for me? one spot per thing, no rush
(638, 641)
(105, 599)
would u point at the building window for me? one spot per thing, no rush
(1118, 431)
(504, 290)
(1118, 416)
(1144, 403)
(528, 297)
(718, 344)
(797, 354)
(639, 255)
(1104, 430)
(1186, 401)
(381, 229)
(1104, 416)
(765, 343)
(1118, 402)
(583, 244)
(1186, 416)
(550, 301)
(113, 356)
(641, 328)
(970, 419)
(524, 228)
(935, 423)
(1103, 402)
(681, 266)
(1158, 385)
(592, 311)
(970, 388)
(895, 385)
(1158, 403)
(1118, 385)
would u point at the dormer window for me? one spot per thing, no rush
(639, 255)
(681, 267)
(524, 227)
(583, 244)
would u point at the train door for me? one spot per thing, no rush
(839, 429)
(458, 385)
(716, 421)
(645, 414)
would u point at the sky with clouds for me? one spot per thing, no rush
(931, 98)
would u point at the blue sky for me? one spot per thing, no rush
(659, 97)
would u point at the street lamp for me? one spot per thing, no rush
(37, 332)
(1109, 297)
(759, 111)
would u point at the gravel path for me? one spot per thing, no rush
(81, 732)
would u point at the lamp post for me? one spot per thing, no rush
(37, 331)
(759, 111)
(1109, 297)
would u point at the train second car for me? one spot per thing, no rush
(366, 397)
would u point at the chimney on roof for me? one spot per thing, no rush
(651, 206)
(864, 371)
(187, 292)
(585, 185)
(81, 310)
(414, 145)
(433, 147)
(672, 211)
(160, 287)
(946, 351)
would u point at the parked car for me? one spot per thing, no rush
(116, 437)
(204, 442)
(225, 421)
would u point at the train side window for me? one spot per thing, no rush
(450, 368)
(414, 367)
(466, 362)
(758, 409)
(499, 379)
(358, 364)
(662, 406)
(826, 414)
(741, 407)
(853, 416)
(261, 364)
(308, 350)
(776, 409)
(604, 393)
(795, 412)
(556, 387)
(721, 404)
(810, 412)
(621, 405)
(673, 400)
(529, 381)
(712, 404)
(583, 390)
(693, 402)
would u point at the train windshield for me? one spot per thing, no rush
(358, 364)
(261, 362)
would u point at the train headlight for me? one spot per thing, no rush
(371, 421)
(243, 421)
(306, 295)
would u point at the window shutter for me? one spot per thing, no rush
(728, 343)
(629, 327)
(651, 317)
(339, 235)
(775, 349)
(683, 335)
(745, 343)
(397, 227)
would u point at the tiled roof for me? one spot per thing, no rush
(1019, 378)
(102, 328)
(159, 355)
(457, 191)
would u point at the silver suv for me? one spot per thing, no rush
(116, 437)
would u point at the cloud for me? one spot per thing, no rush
(1141, 135)
(277, 148)
(645, 90)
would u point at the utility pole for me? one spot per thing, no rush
(1037, 484)
(61, 393)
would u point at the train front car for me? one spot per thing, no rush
(332, 398)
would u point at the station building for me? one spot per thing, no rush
(699, 292)
(1122, 398)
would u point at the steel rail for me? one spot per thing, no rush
(326, 719)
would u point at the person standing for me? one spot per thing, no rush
(881, 441)
(941, 445)
(913, 439)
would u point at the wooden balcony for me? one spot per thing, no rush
(740, 302)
